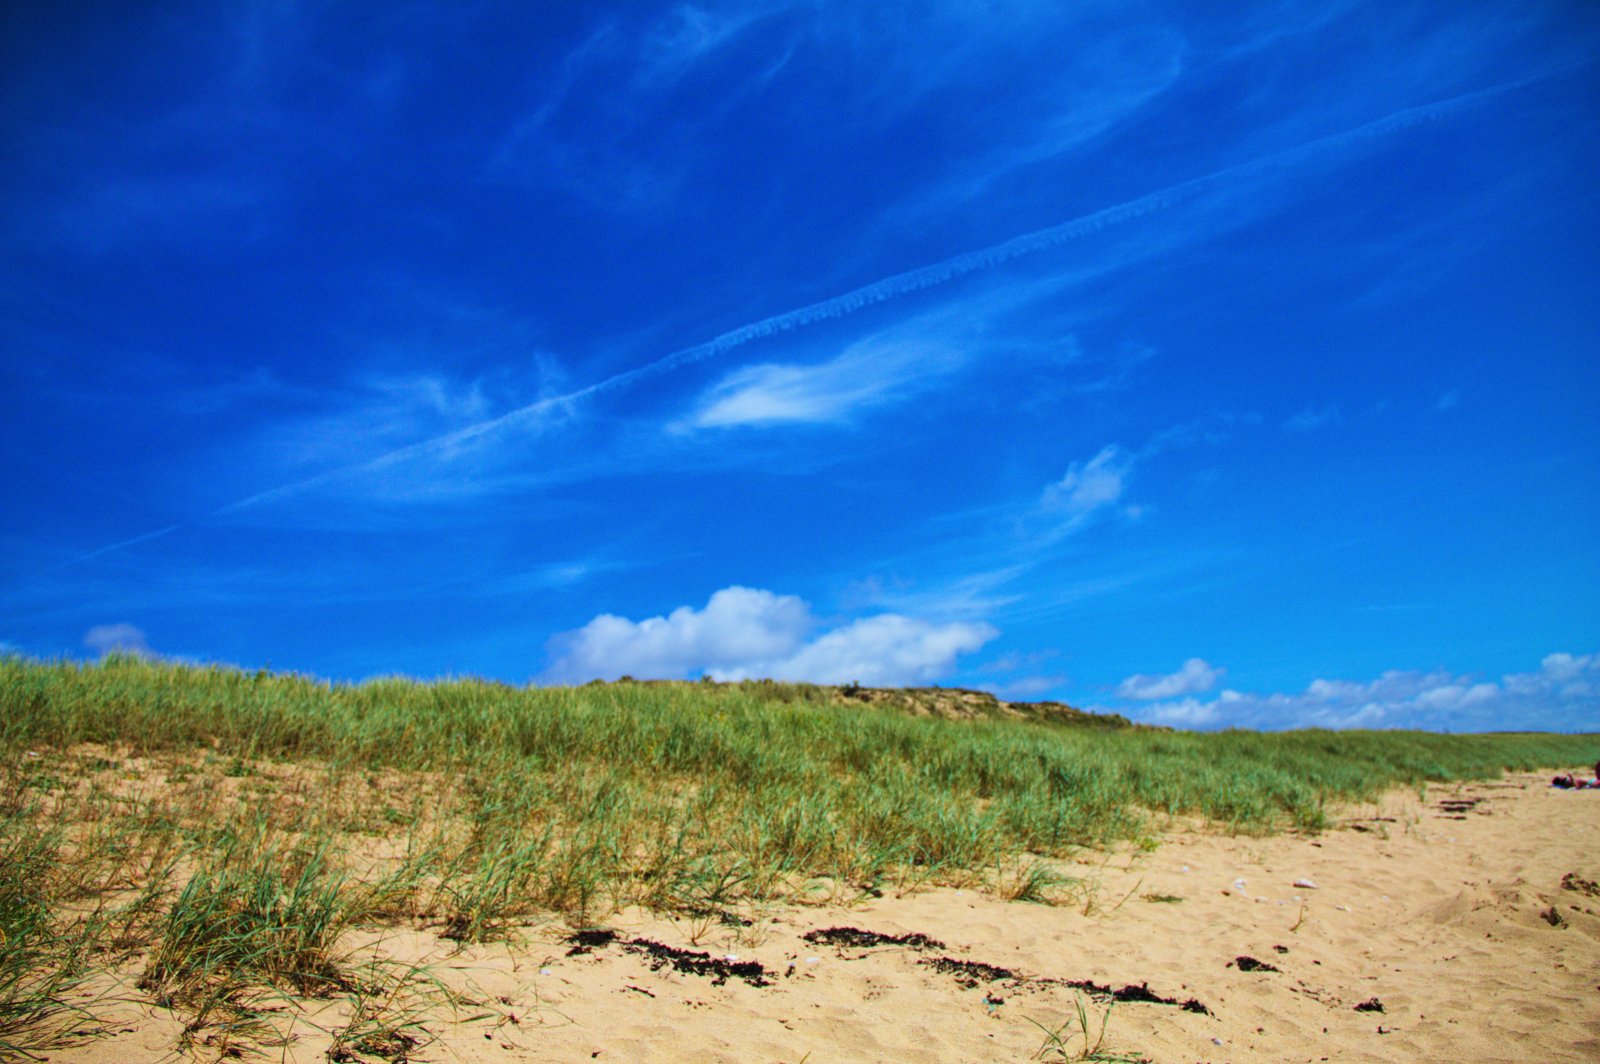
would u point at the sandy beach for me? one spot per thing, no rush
(1458, 925)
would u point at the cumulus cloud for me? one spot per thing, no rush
(1563, 694)
(120, 638)
(1089, 487)
(1193, 677)
(738, 625)
(883, 650)
(748, 632)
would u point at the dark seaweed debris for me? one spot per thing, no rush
(590, 940)
(1250, 964)
(1131, 993)
(856, 938)
(970, 973)
(690, 962)
(1587, 887)
(1370, 1005)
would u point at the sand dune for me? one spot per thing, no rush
(1438, 929)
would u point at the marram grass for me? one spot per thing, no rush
(225, 831)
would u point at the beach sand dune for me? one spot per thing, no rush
(1458, 925)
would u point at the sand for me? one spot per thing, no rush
(1446, 910)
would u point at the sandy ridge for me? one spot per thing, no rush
(1446, 910)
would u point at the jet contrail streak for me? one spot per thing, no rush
(158, 533)
(882, 291)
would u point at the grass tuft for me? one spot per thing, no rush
(252, 913)
(1089, 1044)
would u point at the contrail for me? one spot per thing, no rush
(158, 533)
(889, 288)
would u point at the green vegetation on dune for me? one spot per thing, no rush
(1030, 785)
(223, 830)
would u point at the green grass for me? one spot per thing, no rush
(225, 830)
(252, 910)
(42, 951)
(1080, 1039)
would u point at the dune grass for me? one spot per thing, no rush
(218, 833)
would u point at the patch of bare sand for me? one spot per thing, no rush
(1451, 916)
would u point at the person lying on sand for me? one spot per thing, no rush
(1570, 782)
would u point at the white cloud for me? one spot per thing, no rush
(738, 625)
(869, 373)
(1193, 677)
(1563, 694)
(747, 632)
(1089, 487)
(1190, 712)
(120, 638)
(884, 650)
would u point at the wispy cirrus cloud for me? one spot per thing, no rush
(745, 633)
(593, 132)
(377, 417)
(1088, 488)
(388, 467)
(595, 129)
(1081, 93)
(1563, 694)
(869, 373)
(984, 555)
(375, 413)
(690, 33)
(976, 563)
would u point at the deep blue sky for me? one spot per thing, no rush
(1231, 368)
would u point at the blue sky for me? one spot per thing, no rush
(1217, 364)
